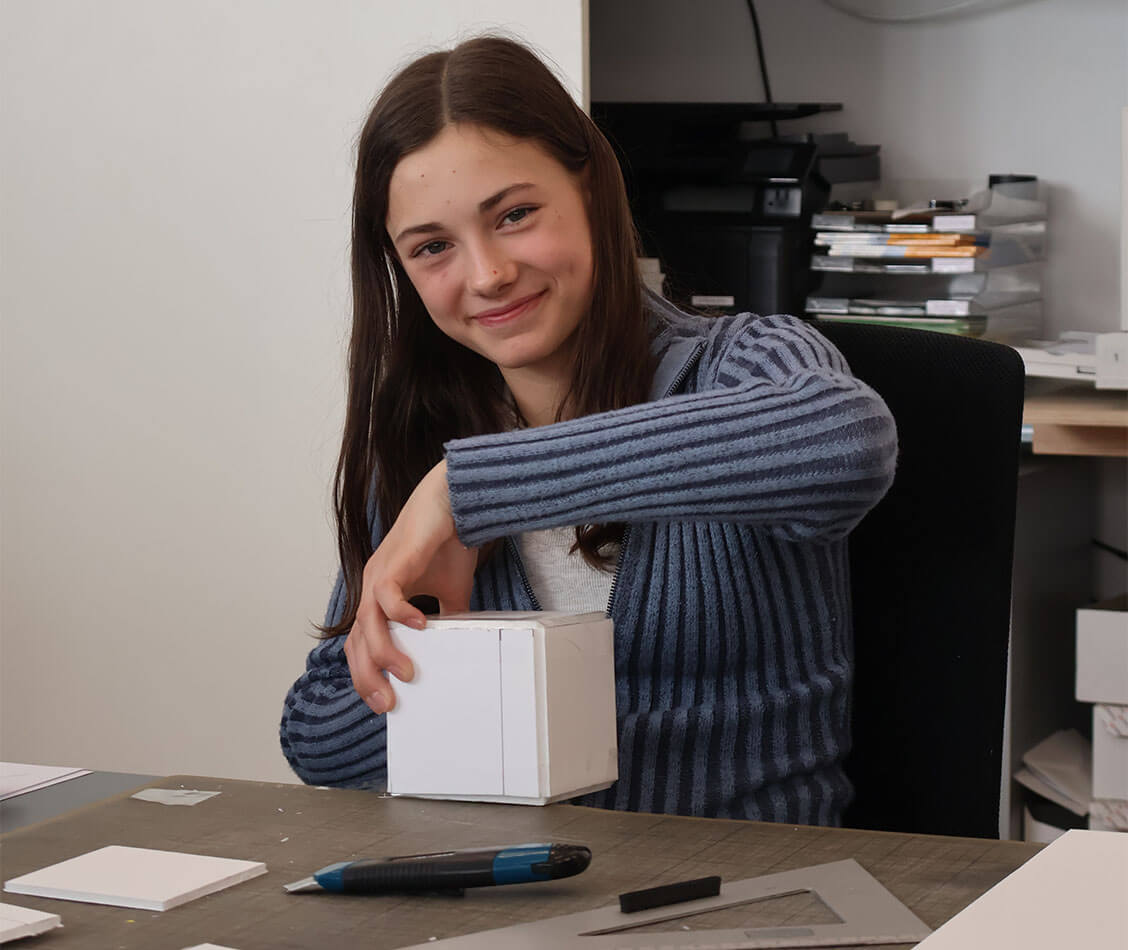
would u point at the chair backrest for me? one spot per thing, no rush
(931, 582)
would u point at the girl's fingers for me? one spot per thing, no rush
(401, 610)
(370, 651)
(367, 676)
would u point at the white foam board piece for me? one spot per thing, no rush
(17, 922)
(1070, 894)
(514, 707)
(135, 877)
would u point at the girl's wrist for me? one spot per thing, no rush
(442, 488)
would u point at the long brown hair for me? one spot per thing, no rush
(411, 388)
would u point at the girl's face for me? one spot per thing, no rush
(493, 232)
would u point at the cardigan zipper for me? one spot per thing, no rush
(516, 555)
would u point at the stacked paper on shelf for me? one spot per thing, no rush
(976, 273)
(870, 244)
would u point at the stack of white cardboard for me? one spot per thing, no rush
(1102, 679)
(505, 707)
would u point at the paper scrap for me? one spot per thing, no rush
(17, 778)
(173, 796)
(135, 877)
(209, 946)
(17, 922)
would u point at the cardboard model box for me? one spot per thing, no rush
(1102, 652)
(505, 707)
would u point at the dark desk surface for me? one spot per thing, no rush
(296, 830)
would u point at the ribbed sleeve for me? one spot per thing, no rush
(779, 435)
(328, 735)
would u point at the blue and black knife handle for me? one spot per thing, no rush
(452, 870)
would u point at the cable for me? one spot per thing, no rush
(763, 64)
(1119, 552)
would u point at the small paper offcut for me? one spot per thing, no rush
(209, 946)
(173, 796)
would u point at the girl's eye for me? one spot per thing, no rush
(430, 249)
(517, 214)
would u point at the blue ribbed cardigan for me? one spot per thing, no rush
(738, 482)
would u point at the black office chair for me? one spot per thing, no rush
(931, 581)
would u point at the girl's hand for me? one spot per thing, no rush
(421, 554)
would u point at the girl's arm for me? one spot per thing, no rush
(780, 435)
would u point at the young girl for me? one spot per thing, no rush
(527, 430)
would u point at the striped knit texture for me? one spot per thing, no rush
(738, 482)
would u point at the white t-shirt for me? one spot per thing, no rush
(563, 581)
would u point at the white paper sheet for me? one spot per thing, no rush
(1069, 895)
(135, 877)
(17, 922)
(16, 778)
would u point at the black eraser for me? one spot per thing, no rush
(670, 894)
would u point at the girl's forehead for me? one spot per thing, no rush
(462, 147)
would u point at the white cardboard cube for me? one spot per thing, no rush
(1102, 652)
(1110, 751)
(505, 707)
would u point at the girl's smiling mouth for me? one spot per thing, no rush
(500, 315)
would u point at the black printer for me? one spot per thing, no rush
(726, 210)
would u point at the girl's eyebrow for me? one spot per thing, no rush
(494, 200)
(485, 205)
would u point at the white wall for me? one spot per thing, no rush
(1033, 88)
(175, 178)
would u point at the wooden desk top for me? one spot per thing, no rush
(297, 830)
(1077, 420)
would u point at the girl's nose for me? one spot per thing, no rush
(491, 271)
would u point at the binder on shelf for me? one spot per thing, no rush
(907, 250)
(926, 239)
(1003, 325)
